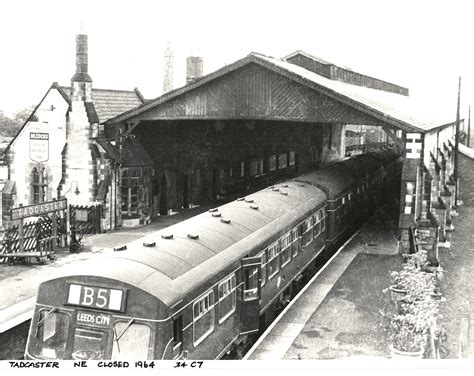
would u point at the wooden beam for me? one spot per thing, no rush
(393, 137)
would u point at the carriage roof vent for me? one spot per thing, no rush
(276, 189)
(254, 207)
(271, 187)
(217, 214)
(167, 236)
(225, 220)
(249, 200)
(284, 193)
(213, 210)
(121, 248)
(284, 185)
(193, 236)
(149, 244)
(301, 184)
(241, 199)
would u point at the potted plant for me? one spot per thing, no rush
(415, 312)
(412, 283)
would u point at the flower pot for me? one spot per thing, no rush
(399, 354)
(397, 294)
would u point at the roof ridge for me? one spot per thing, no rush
(134, 90)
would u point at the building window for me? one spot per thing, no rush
(282, 161)
(272, 163)
(242, 169)
(203, 322)
(256, 167)
(227, 297)
(39, 185)
(253, 168)
(130, 190)
(291, 161)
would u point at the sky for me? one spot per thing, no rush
(423, 45)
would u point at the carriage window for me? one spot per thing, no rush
(130, 339)
(294, 242)
(251, 283)
(323, 219)
(52, 333)
(226, 298)
(308, 231)
(285, 254)
(263, 256)
(317, 224)
(273, 260)
(203, 323)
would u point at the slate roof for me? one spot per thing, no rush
(110, 103)
(390, 108)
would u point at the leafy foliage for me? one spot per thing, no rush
(410, 320)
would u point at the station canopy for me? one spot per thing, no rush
(291, 92)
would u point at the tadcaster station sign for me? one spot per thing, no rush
(38, 209)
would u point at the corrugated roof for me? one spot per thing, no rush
(404, 108)
(110, 103)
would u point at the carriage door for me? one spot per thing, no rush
(250, 309)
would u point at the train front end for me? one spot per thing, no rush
(86, 317)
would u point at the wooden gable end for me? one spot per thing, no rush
(256, 92)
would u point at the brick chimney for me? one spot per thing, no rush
(80, 183)
(194, 66)
(81, 82)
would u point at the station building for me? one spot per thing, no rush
(59, 152)
(247, 125)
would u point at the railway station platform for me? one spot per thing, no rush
(337, 315)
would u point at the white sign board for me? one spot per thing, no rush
(39, 146)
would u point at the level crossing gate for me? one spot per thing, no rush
(37, 238)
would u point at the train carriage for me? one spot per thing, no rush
(192, 289)
(203, 286)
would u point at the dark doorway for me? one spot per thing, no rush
(163, 196)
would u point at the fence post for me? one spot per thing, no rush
(55, 229)
(20, 234)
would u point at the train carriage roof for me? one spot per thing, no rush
(176, 266)
(339, 177)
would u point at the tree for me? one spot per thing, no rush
(9, 126)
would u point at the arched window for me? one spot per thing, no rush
(39, 185)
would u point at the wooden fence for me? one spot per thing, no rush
(33, 233)
(86, 218)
